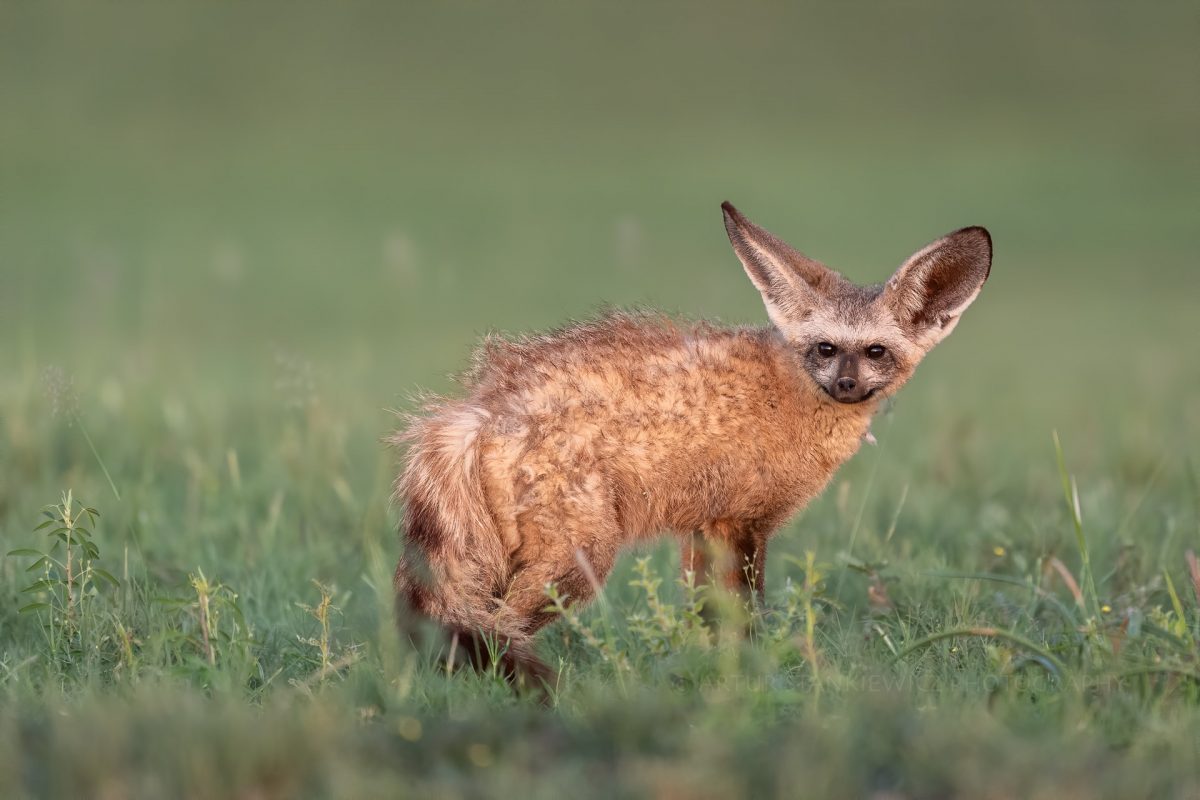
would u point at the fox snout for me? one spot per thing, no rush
(848, 385)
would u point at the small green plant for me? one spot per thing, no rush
(605, 646)
(662, 627)
(212, 639)
(321, 613)
(330, 662)
(67, 591)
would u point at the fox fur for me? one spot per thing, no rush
(569, 446)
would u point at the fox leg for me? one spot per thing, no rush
(695, 557)
(578, 575)
(750, 561)
(732, 552)
(577, 568)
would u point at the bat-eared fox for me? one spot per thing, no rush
(568, 446)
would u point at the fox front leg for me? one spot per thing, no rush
(728, 553)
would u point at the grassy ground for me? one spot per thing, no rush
(232, 239)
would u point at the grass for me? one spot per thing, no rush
(232, 239)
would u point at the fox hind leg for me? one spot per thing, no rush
(575, 564)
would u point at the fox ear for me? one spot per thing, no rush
(935, 286)
(790, 282)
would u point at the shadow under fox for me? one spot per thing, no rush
(570, 445)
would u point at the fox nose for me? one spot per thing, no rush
(846, 384)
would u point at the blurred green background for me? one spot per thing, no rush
(234, 237)
(188, 186)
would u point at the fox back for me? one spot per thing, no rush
(570, 445)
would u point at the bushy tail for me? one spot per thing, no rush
(454, 566)
(453, 559)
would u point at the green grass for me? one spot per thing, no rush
(232, 240)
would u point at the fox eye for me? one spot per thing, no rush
(826, 350)
(875, 351)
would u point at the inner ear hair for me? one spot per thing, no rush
(769, 260)
(938, 282)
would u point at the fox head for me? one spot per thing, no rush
(862, 342)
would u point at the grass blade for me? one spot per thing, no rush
(992, 633)
(96, 453)
(1071, 494)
